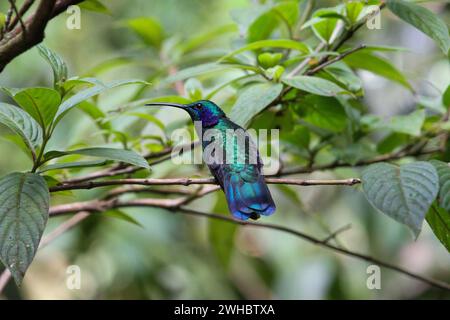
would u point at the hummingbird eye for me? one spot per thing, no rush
(199, 105)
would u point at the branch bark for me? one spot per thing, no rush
(192, 181)
(21, 38)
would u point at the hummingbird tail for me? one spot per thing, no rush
(248, 199)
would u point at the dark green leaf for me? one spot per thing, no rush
(439, 221)
(24, 205)
(404, 193)
(424, 20)
(376, 65)
(443, 171)
(121, 155)
(69, 165)
(326, 113)
(446, 98)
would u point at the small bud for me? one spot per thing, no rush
(269, 60)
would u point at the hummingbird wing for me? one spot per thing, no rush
(244, 186)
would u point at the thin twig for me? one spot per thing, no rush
(192, 181)
(26, 5)
(18, 16)
(334, 60)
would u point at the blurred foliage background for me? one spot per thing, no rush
(173, 256)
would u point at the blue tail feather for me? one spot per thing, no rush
(248, 199)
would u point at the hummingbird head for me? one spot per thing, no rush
(203, 110)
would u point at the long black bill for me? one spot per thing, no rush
(166, 104)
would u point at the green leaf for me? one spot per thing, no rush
(118, 214)
(2, 19)
(253, 100)
(22, 124)
(107, 65)
(324, 27)
(221, 235)
(439, 221)
(195, 71)
(326, 113)
(404, 193)
(40, 103)
(443, 171)
(57, 64)
(446, 98)
(276, 43)
(263, 27)
(95, 114)
(148, 30)
(24, 205)
(410, 124)
(424, 20)
(197, 41)
(288, 10)
(147, 117)
(70, 165)
(85, 94)
(344, 76)
(121, 155)
(353, 9)
(94, 6)
(315, 85)
(376, 65)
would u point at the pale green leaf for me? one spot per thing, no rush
(148, 30)
(410, 124)
(315, 85)
(57, 64)
(87, 93)
(404, 193)
(276, 43)
(22, 124)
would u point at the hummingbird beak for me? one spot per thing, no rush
(176, 105)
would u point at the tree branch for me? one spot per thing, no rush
(31, 33)
(192, 181)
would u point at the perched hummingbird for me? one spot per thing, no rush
(239, 177)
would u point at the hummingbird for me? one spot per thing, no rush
(240, 176)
